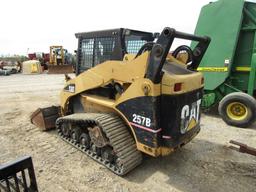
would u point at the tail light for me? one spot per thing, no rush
(177, 87)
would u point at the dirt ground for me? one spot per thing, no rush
(205, 164)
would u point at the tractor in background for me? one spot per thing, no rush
(229, 65)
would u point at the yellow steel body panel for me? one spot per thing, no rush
(105, 73)
(189, 82)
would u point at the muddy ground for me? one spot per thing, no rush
(205, 164)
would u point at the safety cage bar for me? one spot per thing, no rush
(99, 46)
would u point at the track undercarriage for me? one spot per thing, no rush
(103, 137)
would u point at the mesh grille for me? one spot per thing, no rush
(87, 53)
(133, 46)
(103, 49)
(96, 50)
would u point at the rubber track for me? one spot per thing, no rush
(114, 128)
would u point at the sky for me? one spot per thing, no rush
(29, 26)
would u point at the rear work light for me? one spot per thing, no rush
(177, 87)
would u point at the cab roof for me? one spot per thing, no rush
(113, 32)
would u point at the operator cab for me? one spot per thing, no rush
(100, 46)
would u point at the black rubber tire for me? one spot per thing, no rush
(246, 100)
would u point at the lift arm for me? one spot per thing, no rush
(161, 49)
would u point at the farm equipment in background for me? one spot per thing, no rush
(60, 61)
(10, 67)
(57, 61)
(2, 70)
(129, 96)
(32, 67)
(43, 58)
(229, 65)
(18, 175)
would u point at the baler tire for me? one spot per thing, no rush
(245, 101)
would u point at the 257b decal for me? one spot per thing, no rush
(141, 120)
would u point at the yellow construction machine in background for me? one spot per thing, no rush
(58, 61)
